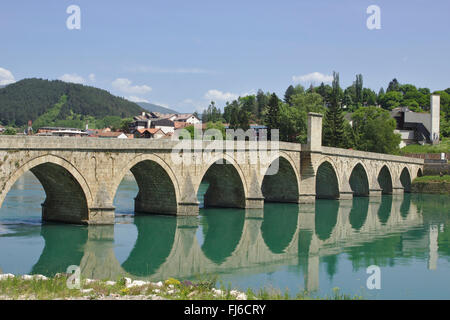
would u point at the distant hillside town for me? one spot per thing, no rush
(148, 125)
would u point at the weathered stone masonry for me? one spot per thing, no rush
(81, 176)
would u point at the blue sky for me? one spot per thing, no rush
(183, 53)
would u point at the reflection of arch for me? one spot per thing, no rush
(158, 187)
(405, 179)
(384, 211)
(63, 248)
(359, 181)
(67, 193)
(227, 187)
(154, 243)
(279, 226)
(325, 218)
(327, 184)
(282, 186)
(222, 232)
(385, 180)
(358, 213)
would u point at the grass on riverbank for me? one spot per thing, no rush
(16, 288)
(444, 146)
(444, 178)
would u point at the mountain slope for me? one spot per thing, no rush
(155, 108)
(28, 99)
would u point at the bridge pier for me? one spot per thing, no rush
(397, 190)
(254, 203)
(101, 216)
(375, 192)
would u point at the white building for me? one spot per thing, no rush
(416, 127)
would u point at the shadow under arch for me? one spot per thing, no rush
(222, 232)
(385, 180)
(384, 212)
(405, 180)
(225, 186)
(282, 186)
(157, 192)
(67, 193)
(358, 213)
(156, 235)
(419, 172)
(327, 185)
(325, 218)
(359, 182)
(279, 226)
(64, 246)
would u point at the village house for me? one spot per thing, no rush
(168, 123)
(61, 132)
(418, 127)
(149, 133)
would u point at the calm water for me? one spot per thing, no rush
(284, 246)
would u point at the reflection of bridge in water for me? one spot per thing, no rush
(250, 241)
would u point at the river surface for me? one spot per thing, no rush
(283, 247)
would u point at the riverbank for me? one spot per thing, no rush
(38, 287)
(431, 184)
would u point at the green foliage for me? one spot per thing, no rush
(212, 113)
(444, 178)
(29, 99)
(293, 119)
(10, 132)
(444, 146)
(374, 130)
(334, 122)
(217, 126)
(51, 115)
(273, 113)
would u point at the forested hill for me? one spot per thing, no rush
(58, 101)
(155, 108)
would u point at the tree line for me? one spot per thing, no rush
(372, 126)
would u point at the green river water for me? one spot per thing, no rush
(285, 246)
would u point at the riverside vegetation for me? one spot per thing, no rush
(38, 287)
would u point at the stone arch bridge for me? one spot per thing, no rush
(81, 176)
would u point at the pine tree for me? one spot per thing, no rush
(290, 91)
(273, 114)
(334, 130)
(359, 88)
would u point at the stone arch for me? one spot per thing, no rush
(227, 184)
(158, 186)
(68, 195)
(327, 181)
(282, 186)
(359, 181)
(405, 179)
(385, 180)
(419, 172)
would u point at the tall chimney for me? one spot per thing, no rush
(314, 131)
(435, 104)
